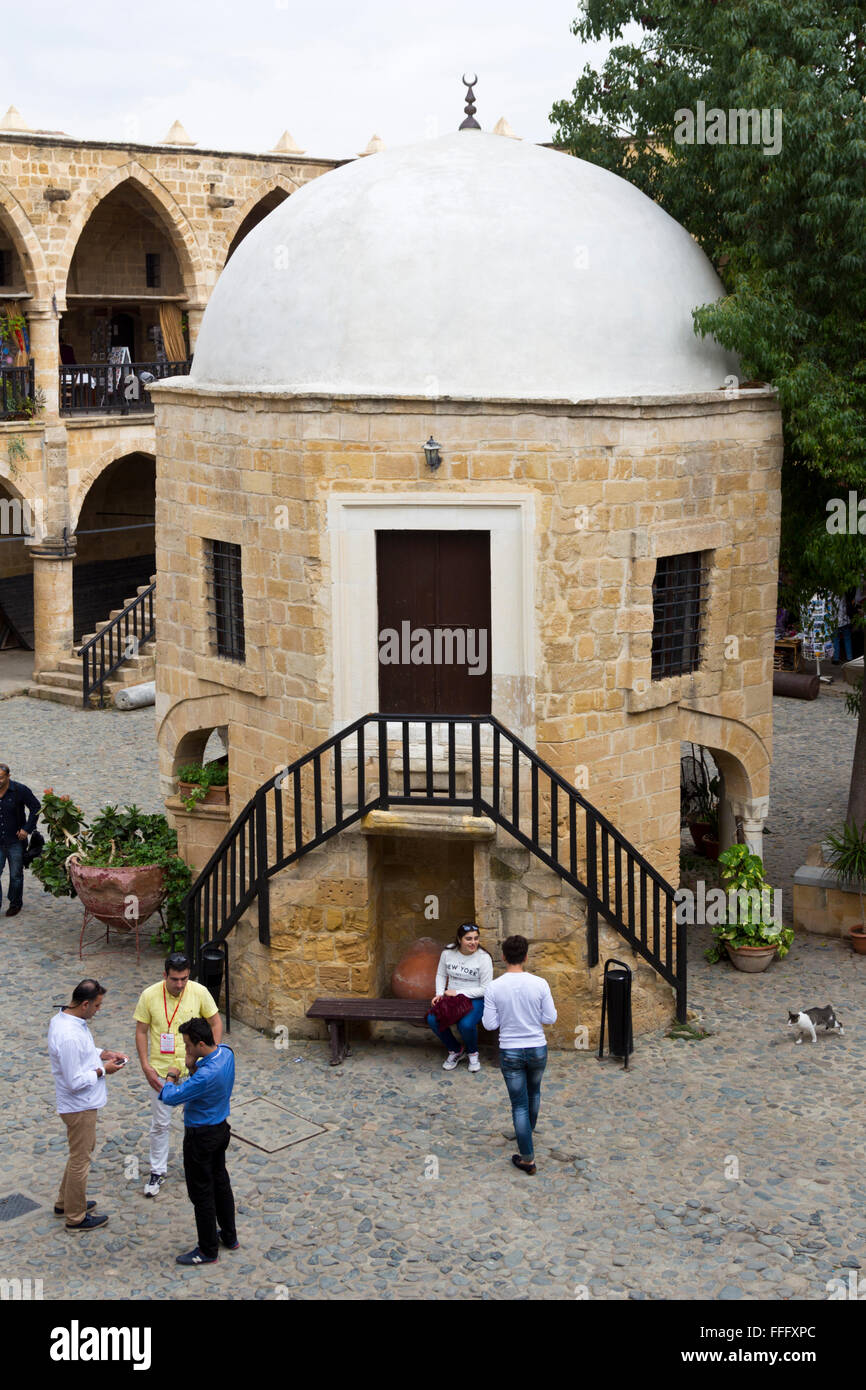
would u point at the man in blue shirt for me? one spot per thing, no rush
(206, 1095)
(19, 812)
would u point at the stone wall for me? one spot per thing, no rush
(610, 488)
(125, 199)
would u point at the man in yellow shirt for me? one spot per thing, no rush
(160, 1011)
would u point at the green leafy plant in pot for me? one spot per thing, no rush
(750, 936)
(203, 783)
(845, 853)
(123, 857)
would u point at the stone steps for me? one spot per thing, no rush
(63, 684)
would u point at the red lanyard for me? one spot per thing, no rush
(170, 1021)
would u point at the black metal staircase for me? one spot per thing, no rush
(448, 761)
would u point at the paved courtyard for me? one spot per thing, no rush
(730, 1167)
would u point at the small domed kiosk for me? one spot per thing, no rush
(454, 388)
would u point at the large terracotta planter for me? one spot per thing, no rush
(857, 937)
(751, 959)
(414, 976)
(107, 893)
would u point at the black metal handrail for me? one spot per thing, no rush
(118, 641)
(18, 391)
(365, 767)
(109, 388)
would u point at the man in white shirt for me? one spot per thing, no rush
(519, 1005)
(79, 1070)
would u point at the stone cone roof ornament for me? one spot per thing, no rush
(13, 120)
(503, 128)
(286, 145)
(376, 143)
(470, 122)
(177, 136)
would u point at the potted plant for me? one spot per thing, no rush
(702, 817)
(124, 860)
(750, 936)
(845, 854)
(206, 784)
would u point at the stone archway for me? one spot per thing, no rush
(16, 222)
(192, 265)
(264, 200)
(81, 480)
(744, 760)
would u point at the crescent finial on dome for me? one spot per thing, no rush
(470, 123)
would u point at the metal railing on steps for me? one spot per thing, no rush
(472, 762)
(119, 640)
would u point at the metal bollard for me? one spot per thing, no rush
(616, 1004)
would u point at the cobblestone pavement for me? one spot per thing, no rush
(731, 1167)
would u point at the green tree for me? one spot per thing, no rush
(785, 230)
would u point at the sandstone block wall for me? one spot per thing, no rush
(613, 487)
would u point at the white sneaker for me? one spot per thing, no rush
(474, 1064)
(153, 1184)
(452, 1059)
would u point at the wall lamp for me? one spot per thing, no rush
(432, 454)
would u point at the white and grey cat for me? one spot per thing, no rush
(807, 1020)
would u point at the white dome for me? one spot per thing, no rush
(467, 266)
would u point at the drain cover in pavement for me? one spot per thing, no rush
(16, 1205)
(268, 1126)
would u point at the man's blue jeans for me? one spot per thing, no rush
(523, 1068)
(13, 855)
(842, 636)
(467, 1028)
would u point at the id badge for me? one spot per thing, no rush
(166, 1044)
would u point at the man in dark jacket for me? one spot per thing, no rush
(16, 801)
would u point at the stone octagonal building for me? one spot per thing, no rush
(598, 534)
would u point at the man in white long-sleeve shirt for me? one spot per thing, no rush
(79, 1070)
(519, 1005)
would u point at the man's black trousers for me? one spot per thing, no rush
(209, 1185)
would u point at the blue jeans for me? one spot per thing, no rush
(13, 855)
(467, 1028)
(523, 1068)
(841, 636)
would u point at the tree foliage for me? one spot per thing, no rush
(786, 231)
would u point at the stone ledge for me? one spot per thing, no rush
(813, 876)
(449, 824)
(176, 807)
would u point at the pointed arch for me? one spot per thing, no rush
(280, 182)
(189, 255)
(140, 442)
(27, 245)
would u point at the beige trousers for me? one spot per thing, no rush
(81, 1133)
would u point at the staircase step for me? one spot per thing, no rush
(56, 693)
(62, 680)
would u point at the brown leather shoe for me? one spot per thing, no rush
(12, 911)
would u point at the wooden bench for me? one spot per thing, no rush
(337, 1013)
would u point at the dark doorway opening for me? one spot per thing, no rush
(434, 622)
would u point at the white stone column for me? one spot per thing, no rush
(753, 815)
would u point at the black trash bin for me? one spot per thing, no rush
(210, 970)
(616, 1004)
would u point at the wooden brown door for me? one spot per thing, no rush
(434, 622)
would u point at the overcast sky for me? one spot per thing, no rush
(239, 72)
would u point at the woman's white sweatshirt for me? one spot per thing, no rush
(469, 975)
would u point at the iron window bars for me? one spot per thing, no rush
(226, 599)
(679, 606)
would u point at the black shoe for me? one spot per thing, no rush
(228, 1245)
(523, 1165)
(13, 911)
(61, 1211)
(89, 1223)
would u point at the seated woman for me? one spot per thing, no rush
(464, 968)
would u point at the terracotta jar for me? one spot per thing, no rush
(105, 891)
(414, 976)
